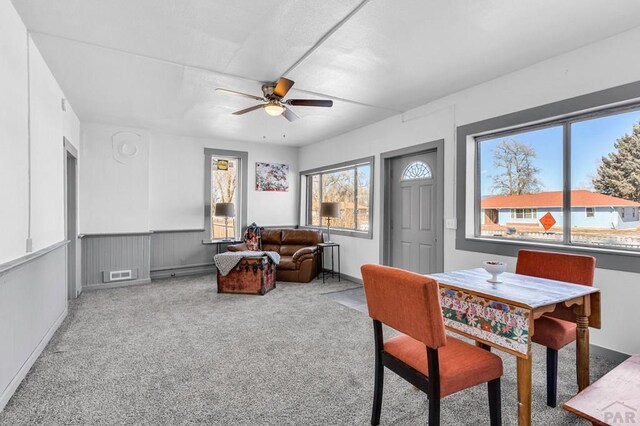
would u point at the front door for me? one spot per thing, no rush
(413, 212)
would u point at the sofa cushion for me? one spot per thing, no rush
(290, 250)
(301, 237)
(271, 247)
(286, 263)
(271, 237)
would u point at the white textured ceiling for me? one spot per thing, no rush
(155, 63)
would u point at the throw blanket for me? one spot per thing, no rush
(228, 260)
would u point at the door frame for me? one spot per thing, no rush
(385, 205)
(73, 250)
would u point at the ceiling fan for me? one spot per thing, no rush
(273, 94)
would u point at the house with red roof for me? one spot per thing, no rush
(588, 209)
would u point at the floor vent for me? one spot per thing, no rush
(124, 275)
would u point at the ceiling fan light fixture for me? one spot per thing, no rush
(274, 109)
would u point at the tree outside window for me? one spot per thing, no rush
(349, 186)
(224, 189)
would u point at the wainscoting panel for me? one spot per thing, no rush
(33, 303)
(176, 253)
(102, 253)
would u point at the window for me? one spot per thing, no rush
(599, 158)
(349, 184)
(523, 169)
(224, 189)
(416, 170)
(226, 178)
(527, 168)
(524, 213)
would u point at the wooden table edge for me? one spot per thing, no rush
(579, 413)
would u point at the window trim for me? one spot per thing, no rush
(333, 168)
(593, 212)
(243, 165)
(600, 104)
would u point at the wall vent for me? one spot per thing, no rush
(123, 275)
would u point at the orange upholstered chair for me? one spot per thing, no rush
(547, 331)
(437, 364)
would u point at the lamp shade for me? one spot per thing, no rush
(330, 210)
(225, 210)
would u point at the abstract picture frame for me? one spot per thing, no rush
(272, 177)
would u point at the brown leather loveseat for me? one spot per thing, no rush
(297, 249)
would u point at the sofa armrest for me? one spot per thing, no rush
(310, 250)
(237, 247)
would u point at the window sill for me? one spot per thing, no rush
(606, 258)
(344, 232)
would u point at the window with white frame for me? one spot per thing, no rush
(590, 212)
(524, 213)
(416, 170)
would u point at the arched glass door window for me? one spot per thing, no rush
(417, 170)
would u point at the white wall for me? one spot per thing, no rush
(594, 67)
(114, 195)
(162, 188)
(13, 135)
(177, 182)
(33, 295)
(48, 126)
(47, 151)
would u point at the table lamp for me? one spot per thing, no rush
(329, 210)
(225, 210)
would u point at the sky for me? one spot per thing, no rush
(590, 141)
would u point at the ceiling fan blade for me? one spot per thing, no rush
(246, 95)
(246, 110)
(290, 115)
(310, 102)
(283, 86)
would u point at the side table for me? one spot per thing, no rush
(321, 248)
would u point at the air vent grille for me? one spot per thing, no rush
(123, 275)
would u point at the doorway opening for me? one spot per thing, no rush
(71, 218)
(412, 219)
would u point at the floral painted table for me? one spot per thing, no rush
(502, 315)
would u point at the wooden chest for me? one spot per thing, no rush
(252, 275)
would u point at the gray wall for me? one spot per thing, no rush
(157, 254)
(153, 255)
(114, 252)
(176, 253)
(33, 303)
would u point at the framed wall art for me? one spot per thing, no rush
(272, 177)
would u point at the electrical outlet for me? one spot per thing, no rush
(451, 223)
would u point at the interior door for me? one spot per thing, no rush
(413, 212)
(72, 230)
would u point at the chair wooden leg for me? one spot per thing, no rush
(433, 393)
(495, 402)
(379, 374)
(434, 410)
(552, 377)
(377, 392)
